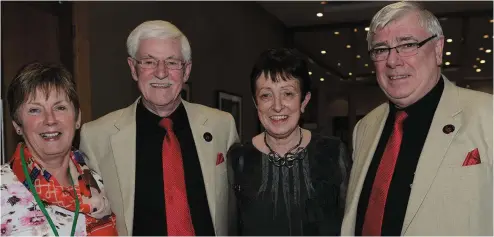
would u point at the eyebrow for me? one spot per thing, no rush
(398, 39)
(56, 103)
(169, 57)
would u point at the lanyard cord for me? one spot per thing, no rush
(40, 203)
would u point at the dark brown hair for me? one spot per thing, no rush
(45, 77)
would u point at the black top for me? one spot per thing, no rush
(306, 199)
(149, 202)
(415, 129)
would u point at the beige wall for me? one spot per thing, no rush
(226, 38)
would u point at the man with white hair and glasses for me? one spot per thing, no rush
(422, 162)
(163, 158)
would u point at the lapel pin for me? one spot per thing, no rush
(207, 136)
(448, 128)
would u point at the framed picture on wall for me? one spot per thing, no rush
(232, 104)
(185, 93)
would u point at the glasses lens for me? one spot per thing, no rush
(173, 64)
(148, 63)
(408, 49)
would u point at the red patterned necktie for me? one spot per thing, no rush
(178, 219)
(377, 201)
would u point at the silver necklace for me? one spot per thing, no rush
(296, 153)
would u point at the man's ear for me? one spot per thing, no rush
(187, 69)
(438, 47)
(132, 65)
(305, 102)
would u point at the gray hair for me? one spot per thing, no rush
(397, 10)
(160, 30)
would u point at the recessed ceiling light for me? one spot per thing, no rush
(481, 49)
(367, 28)
(448, 53)
(477, 59)
(478, 70)
(373, 72)
(336, 33)
(482, 61)
(355, 30)
(310, 73)
(323, 51)
(366, 65)
(474, 66)
(358, 56)
(349, 74)
(321, 79)
(488, 50)
(348, 46)
(319, 14)
(447, 63)
(339, 64)
(486, 36)
(323, 2)
(449, 40)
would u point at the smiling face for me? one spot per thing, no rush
(279, 105)
(48, 124)
(405, 80)
(160, 87)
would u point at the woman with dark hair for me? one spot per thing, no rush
(287, 180)
(47, 189)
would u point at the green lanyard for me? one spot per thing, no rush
(40, 203)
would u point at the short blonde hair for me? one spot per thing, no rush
(157, 29)
(397, 10)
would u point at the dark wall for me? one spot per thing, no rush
(226, 38)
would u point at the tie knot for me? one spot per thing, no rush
(167, 124)
(400, 116)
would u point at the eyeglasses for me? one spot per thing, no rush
(404, 50)
(151, 63)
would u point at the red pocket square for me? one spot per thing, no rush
(473, 158)
(220, 159)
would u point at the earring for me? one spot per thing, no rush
(77, 126)
(19, 131)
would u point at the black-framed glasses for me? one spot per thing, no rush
(152, 63)
(404, 50)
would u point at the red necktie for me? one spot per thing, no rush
(377, 201)
(178, 219)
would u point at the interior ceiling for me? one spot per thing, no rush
(466, 23)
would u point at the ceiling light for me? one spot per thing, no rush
(478, 70)
(482, 61)
(491, 21)
(488, 51)
(486, 36)
(481, 49)
(339, 64)
(348, 46)
(478, 59)
(336, 33)
(349, 74)
(448, 53)
(367, 28)
(358, 56)
(449, 40)
(447, 63)
(373, 72)
(474, 66)
(323, 51)
(323, 2)
(355, 30)
(366, 65)
(319, 14)
(322, 79)
(310, 73)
